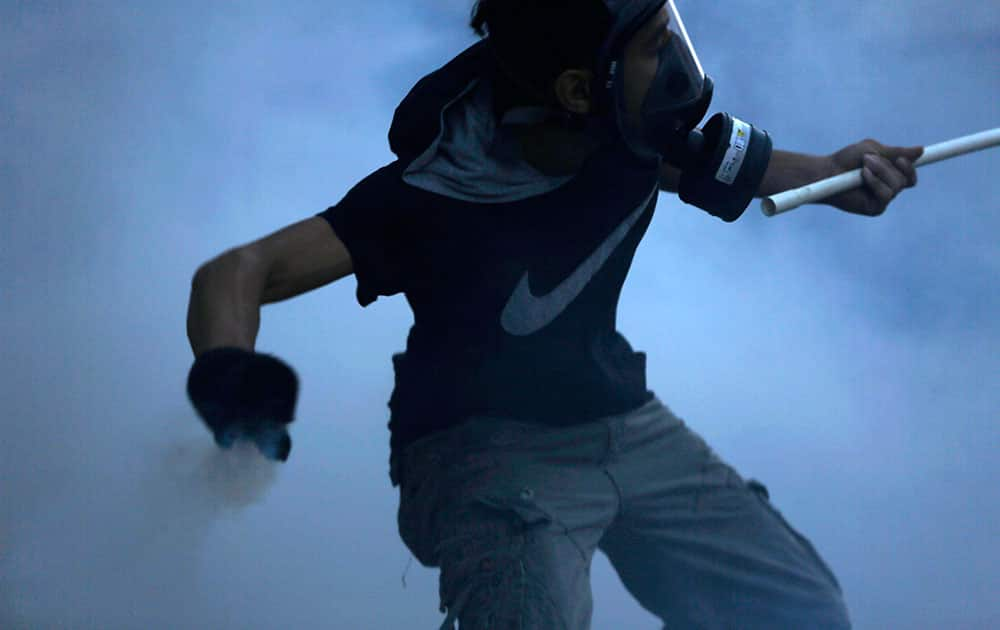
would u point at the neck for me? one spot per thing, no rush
(548, 147)
(555, 150)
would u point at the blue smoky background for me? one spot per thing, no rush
(849, 363)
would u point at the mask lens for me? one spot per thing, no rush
(679, 82)
(679, 37)
(680, 75)
(678, 85)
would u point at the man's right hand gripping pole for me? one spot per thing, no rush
(241, 394)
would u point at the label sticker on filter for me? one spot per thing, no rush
(733, 160)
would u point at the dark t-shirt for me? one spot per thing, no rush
(514, 303)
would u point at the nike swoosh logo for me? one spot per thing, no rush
(525, 313)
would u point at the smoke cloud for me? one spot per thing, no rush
(848, 363)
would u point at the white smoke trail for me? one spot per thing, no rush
(123, 547)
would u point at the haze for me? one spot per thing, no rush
(849, 363)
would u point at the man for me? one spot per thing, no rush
(523, 435)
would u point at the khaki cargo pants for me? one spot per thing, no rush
(512, 513)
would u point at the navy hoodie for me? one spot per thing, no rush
(514, 289)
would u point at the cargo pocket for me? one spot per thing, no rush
(765, 498)
(420, 491)
(489, 574)
(431, 483)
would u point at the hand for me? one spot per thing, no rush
(244, 394)
(885, 172)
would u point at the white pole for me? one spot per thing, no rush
(810, 193)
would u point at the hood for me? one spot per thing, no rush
(446, 131)
(416, 122)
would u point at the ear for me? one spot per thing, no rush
(572, 89)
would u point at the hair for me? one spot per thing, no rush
(534, 41)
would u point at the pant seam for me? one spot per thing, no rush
(618, 492)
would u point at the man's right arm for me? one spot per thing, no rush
(228, 291)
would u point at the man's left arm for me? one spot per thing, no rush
(886, 170)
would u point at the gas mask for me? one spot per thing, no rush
(723, 163)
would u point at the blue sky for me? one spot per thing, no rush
(849, 363)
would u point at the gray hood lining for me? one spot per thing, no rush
(475, 159)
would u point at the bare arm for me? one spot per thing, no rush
(228, 291)
(224, 309)
(786, 170)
